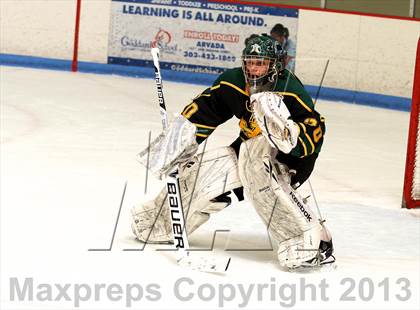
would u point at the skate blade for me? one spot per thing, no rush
(329, 267)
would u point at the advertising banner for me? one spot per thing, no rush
(193, 36)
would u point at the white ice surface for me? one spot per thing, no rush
(68, 146)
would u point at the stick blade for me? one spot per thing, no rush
(204, 264)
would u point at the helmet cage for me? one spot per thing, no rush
(264, 80)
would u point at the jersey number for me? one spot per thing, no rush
(317, 134)
(190, 110)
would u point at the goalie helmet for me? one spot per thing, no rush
(262, 61)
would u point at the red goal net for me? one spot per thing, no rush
(411, 194)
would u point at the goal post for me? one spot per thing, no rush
(411, 190)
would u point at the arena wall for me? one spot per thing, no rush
(369, 57)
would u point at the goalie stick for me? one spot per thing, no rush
(179, 232)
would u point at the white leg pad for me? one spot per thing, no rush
(293, 252)
(217, 173)
(289, 220)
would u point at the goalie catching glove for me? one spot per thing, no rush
(273, 118)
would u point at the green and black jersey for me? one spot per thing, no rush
(229, 97)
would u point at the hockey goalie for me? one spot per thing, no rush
(280, 138)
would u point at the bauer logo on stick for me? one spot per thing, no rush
(175, 215)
